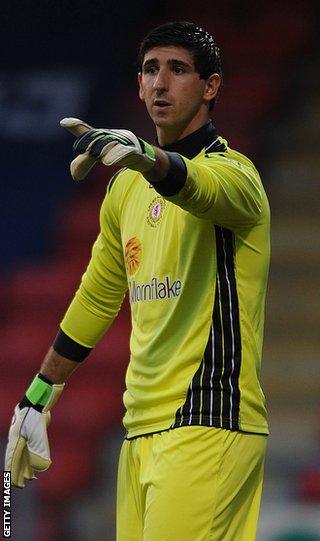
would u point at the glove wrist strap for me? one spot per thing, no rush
(148, 150)
(42, 394)
(39, 391)
(25, 403)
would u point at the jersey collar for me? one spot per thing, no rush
(191, 145)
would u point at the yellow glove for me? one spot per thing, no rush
(28, 448)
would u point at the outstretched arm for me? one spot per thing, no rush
(219, 189)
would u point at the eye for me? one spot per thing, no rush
(150, 70)
(178, 70)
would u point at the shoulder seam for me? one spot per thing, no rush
(114, 178)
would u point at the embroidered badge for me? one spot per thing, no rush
(155, 211)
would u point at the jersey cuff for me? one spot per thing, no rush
(176, 177)
(65, 346)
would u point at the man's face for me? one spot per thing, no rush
(172, 90)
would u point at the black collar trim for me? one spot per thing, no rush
(216, 146)
(191, 145)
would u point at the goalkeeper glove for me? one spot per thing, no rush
(28, 447)
(110, 147)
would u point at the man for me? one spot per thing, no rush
(185, 229)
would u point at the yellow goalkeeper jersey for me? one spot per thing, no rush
(195, 265)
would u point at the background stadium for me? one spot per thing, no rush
(78, 59)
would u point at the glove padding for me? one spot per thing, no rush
(109, 147)
(28, 448)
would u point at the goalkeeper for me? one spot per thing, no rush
(185, 230)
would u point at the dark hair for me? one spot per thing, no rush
(206, 53)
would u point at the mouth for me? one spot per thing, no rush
(162, 104)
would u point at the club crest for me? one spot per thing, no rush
(155, 211)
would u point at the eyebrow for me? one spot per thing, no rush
(170, 61)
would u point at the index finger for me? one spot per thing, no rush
(75, 126)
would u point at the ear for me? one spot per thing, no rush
(212, 86)
(141, 91)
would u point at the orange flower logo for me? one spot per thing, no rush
(133, 255)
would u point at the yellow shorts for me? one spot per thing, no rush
(190, 484)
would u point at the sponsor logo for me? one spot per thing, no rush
(155, 211)
(155, 289)
(132, 255)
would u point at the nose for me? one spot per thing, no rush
(161, 81)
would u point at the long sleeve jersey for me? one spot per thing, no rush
(194, 258)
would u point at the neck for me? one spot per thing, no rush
(167, 135)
